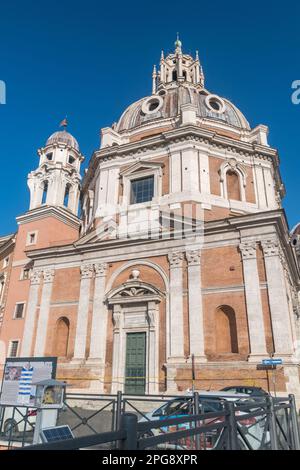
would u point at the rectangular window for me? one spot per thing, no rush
(19, 310)
(13, 348)
(31, 238)
(142, 190)
(25, 274)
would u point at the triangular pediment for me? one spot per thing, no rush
(140, 167)
(103, 232)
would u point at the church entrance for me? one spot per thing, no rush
(135, 368)
(135, 315)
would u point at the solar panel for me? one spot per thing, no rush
(57, 433)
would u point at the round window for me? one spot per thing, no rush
(215, 103)
(152, 104)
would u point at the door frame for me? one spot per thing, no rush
(146, 323)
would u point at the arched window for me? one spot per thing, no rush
(45, 191)
(66, 196)
(233, 185)
(226, 330)
(61, 339)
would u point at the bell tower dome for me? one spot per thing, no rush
(56, 181)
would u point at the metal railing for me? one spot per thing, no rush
(267, 423)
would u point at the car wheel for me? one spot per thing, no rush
(10, 428)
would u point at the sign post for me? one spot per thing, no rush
(271, 364)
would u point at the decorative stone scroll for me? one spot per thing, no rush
(87, 271)
(175, 259)
(193, 257)
(248, 250)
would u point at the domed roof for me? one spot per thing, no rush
(168, 102)
(295, 230)
(63, 137)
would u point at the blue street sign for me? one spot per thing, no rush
(270, 362)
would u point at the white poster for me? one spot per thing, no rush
(21, 375)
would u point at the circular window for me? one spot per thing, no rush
(152, 104)
(215, 103)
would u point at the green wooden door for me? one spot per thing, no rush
(135, 370)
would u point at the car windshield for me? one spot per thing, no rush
(178, 407)
(185, 406)
(210, 405)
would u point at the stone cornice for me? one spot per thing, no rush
(186, 133)
(49, 211)
(274, 222)
(7, 243)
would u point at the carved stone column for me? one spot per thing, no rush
(83, 310)
(118, 363)
(31, 312)
(277, 298)
(196, 320)
(176, 306)
(255, 317)
(153, 348)
(99, 318)
(41, 334)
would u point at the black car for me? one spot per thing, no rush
(252, 391)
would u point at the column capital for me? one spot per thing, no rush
(36, 276)
(100, 269)
(248, 250)
(271, 247)
(193, 257)
(87, 271)
(48, 275)
(175, 259)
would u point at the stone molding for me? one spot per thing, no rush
(248, 250)
(100, 269)
(48, 275)
(36, 276)
(175, 259)
(193, 257)
(271, 247)
(87, 271)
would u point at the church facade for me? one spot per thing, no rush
(180, 261)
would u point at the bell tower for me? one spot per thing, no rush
(56, 181)
(178, 68)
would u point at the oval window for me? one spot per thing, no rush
(152, 104)
(215, 104)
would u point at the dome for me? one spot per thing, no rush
(167, 103)
(63, 137)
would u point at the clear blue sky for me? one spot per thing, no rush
(91, 59)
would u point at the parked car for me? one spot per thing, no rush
(252, 391)
(209, 402)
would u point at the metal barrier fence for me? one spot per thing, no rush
(84, 413)
(267, 423)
